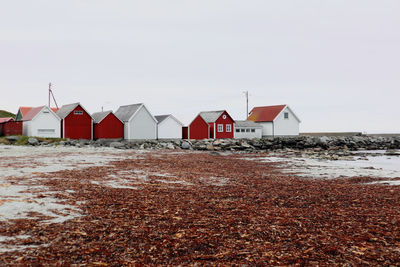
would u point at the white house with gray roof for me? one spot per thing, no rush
(139, 123)
(169, 127)
(247, 130)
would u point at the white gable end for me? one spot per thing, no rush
(141, 125)
(45, 124)
(286, 123)
(170, 128)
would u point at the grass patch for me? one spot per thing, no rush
(6, 114)
(23, 140)
(4, 141)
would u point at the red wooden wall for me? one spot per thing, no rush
(198, 129)
(211, 124)
(110, 127)
(78, 126)
(224, 122)
(185, 132)
(12, 128)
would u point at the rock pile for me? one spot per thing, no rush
(248, 145)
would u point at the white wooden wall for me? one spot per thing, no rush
(142, 126)
(248, 135)
(286, 127)
(169, 129)
(43, 125)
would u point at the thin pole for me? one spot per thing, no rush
(49, 92)
(246, 93)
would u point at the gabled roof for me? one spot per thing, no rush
(211, 116)
(27, 110)
(6, 119)
(124, 113)
(247, 124)
(161, 118)
(34, 111)
(24, 110)
(99, 116)
(65, 110)
(266, 113)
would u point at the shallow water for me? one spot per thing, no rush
(379, 165)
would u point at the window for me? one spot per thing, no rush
(286, 115)
(253, 130)
(247, 130)
(238, 130)
(46, 130)
(220, 128)
(46, 112)
(224, 117)
(242, 130)
(228, 128)
(78, 112)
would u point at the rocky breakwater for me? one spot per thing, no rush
(247, 145)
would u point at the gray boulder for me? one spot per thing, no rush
(33, 141)
(116, 144)
(185, 145)
(170, 146)
(12, 138)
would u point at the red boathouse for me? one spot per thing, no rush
(11, 127)
(76, 122)
(107, 126)
(211, 124)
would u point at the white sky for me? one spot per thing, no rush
(335, 62)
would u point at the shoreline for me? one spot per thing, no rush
(316, 143)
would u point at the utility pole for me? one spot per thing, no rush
(246, 93)
(51, 94)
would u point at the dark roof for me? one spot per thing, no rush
(124, 113)
(66, 109)
(267, 113)
(247, 124)
(211, 116)
(99, 116)
(160, 118)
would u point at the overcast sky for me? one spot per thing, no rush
(336, 63)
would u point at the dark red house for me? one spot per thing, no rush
(76, 122)
(211, 124)
(107, 126)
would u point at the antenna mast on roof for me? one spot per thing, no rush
(51, 94)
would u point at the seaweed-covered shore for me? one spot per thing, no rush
(188, 207)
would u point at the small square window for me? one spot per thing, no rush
(242, 130)
(238, 130)
(220, 128)
(253, 130)
(247, 130)
(286, 115)
(228, 128)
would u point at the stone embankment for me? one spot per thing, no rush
(249, 145)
